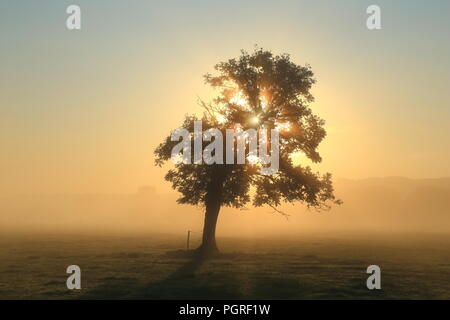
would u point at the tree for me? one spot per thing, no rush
(257, 90)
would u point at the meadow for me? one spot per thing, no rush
(139, 266)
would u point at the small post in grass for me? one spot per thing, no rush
(188, 236)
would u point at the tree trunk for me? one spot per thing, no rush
(212, 204)
(209, 245)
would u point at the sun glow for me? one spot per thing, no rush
(221, 118)
(263, 101)
(286, 126)
(297, 157)
(253, 159)
(239, 99)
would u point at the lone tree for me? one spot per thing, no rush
(257, 90)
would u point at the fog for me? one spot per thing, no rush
(378, 204)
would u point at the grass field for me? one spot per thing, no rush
(146, 267)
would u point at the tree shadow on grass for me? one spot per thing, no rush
(185, 283)
(241, 276)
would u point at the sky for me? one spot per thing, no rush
(82, 111)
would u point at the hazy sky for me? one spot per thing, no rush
(81, 111)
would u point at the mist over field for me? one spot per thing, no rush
(391, 204)
(86, 121)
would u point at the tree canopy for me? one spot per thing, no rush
(257, 90)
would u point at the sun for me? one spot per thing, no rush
(255, 120)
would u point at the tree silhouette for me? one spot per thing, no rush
(257, 90)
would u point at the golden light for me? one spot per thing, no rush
(239, 99)
(255, 120)
(263, 101)
(286, 126)
(297, 157)
(221, 118)
(252, 159)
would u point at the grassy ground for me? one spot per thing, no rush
(307, 267)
